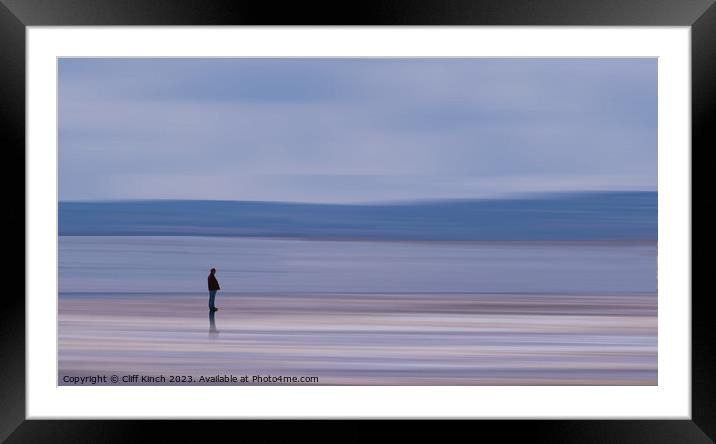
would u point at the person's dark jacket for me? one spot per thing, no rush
(213, 283)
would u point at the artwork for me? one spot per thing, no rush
(357, 221)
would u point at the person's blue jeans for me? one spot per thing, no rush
(212, 295)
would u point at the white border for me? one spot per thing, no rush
(670, 399)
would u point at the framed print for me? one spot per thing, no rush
(447, 220)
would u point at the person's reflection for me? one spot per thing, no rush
(212, 323)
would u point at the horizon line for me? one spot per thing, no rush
(512, 196)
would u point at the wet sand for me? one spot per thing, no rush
(361, 339)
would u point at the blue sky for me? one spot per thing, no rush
(354, 130)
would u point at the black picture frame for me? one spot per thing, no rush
(16, 15)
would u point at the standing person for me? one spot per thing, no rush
(213, 288)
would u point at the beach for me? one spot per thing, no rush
(356, 313)
(364, 339)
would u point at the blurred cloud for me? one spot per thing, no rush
(354, 130)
